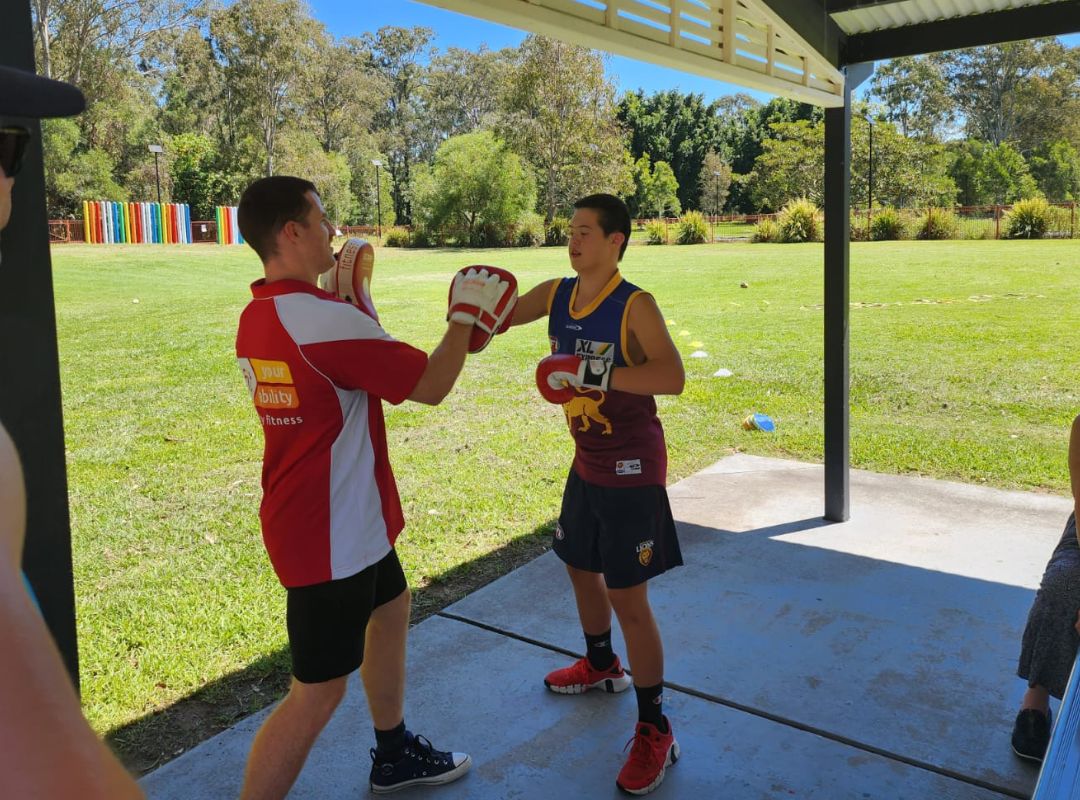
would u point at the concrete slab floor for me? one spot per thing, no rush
(873, 658)
(528, 743)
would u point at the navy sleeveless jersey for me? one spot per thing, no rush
(618, 438)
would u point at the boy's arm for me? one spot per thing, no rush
(533, 305)
(661, 372)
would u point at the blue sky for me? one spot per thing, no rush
(456, 30)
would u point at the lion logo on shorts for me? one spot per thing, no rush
(585, 408)
(645, 552)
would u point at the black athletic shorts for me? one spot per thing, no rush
(328, 621)
(626, 533)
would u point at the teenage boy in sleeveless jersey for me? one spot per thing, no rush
(611, 355)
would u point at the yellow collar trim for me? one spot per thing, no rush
(616, 279)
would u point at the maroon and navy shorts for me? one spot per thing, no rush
(626, 533)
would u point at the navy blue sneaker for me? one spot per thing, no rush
(419, 764)
(1031, 734)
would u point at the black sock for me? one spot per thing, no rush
(599, 653)
(390, 743)
(650, 706)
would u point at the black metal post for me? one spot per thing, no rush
(869, 182)
(30, 402)
(837, 231)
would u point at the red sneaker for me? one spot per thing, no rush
(649, 758)
(580, 676)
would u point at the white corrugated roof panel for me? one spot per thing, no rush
(914, 12)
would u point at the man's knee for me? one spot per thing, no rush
(319, 698)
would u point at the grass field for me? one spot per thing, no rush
(963, 359)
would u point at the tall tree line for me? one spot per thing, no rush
(260, 87)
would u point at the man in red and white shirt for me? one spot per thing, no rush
(318, 369)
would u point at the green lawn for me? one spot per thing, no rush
(962, 361)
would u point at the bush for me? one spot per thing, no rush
(396, 237)
(692, 229)
(938, 223)
(887, 225)
(530, 231)
(655, 232)
(1028, 219)
(1061, 222)
(421, 237)
(857, 228)
(558, 232)
(798, 222)
(491, 234)
(766, 231)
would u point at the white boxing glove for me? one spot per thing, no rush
(472, 293)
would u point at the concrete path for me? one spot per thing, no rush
(868, 659)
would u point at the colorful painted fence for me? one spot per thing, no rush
(108, 222)
(228, 230)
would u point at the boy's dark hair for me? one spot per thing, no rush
(267, 205)
(612, 214)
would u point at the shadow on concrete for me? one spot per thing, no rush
(160, 736)
(909, 663)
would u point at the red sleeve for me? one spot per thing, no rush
(385, 368)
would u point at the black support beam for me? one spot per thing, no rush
(837, 280)
(30, 397)
(975, 30)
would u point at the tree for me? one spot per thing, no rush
(1056, 169)
(713, 183)
(559, 115)
(675, 128)
(743, 129)
(338, 94)
(395, 54)
(1024, 92)
(303, 154)
(657, 188)
(462, 89)
(915, 93)
(907, 171)
(476, 186)
(1002, 176)
(264, 45)
(791, 164)
(74, 173)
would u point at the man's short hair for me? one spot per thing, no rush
(612, 214)
(267, 205)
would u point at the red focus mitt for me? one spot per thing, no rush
(559, 376)
(485, 298)
(350, 278)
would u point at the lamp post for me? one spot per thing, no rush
(716, 208)
(156, 150)
(378, 195)
(870, 180)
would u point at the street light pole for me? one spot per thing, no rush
(870, 180)
(378, 195)
(156, 150)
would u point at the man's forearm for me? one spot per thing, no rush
(444, 365)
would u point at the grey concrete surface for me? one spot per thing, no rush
(529, 743)
(868, 659)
